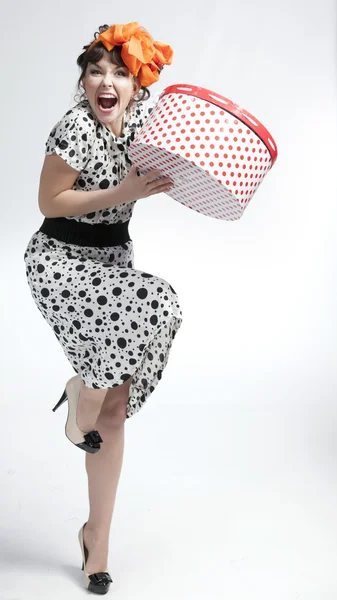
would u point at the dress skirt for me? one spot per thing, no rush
(112, 321)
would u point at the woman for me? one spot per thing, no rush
(115, 324)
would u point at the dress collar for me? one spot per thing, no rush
(129, 125)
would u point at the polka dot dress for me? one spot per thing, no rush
(112, 320)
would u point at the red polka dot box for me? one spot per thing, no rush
(216, 152)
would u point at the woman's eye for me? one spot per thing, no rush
(117, 72)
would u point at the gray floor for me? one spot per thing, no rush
(236, 502)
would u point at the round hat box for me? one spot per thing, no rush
(216, 152)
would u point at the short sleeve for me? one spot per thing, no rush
(72, 139)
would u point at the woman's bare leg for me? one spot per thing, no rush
(103, 470)
(89, 406)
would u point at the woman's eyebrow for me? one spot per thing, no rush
(97, 65)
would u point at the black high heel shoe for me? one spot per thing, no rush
(99, 583)
(90, 442)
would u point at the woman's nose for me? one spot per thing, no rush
(108, 81)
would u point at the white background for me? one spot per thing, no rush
(229, 483)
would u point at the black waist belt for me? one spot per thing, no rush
(85, 234)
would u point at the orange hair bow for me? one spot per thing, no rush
(142, 56)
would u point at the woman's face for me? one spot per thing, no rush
(109, 89)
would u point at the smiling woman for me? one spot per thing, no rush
(115, 323)
(100, 69)
(110, 90)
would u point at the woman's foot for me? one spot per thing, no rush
(86, 439)
(97, 544)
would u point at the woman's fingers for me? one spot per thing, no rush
(161, 188)
(152, 175)
(158, 182)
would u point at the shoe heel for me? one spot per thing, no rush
(61, 400)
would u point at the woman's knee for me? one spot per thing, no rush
(113, 415)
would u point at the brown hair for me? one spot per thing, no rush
(95, 55)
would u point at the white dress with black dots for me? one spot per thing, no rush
(112, 321)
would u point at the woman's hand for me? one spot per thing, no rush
(136, 186)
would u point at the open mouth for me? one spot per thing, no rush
(106, 103)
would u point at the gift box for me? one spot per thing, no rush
(216, 152)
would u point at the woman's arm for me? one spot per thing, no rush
(57, 199)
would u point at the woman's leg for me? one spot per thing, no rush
(89, 406)
(103, 470)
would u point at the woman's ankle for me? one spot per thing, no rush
(97, 532)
